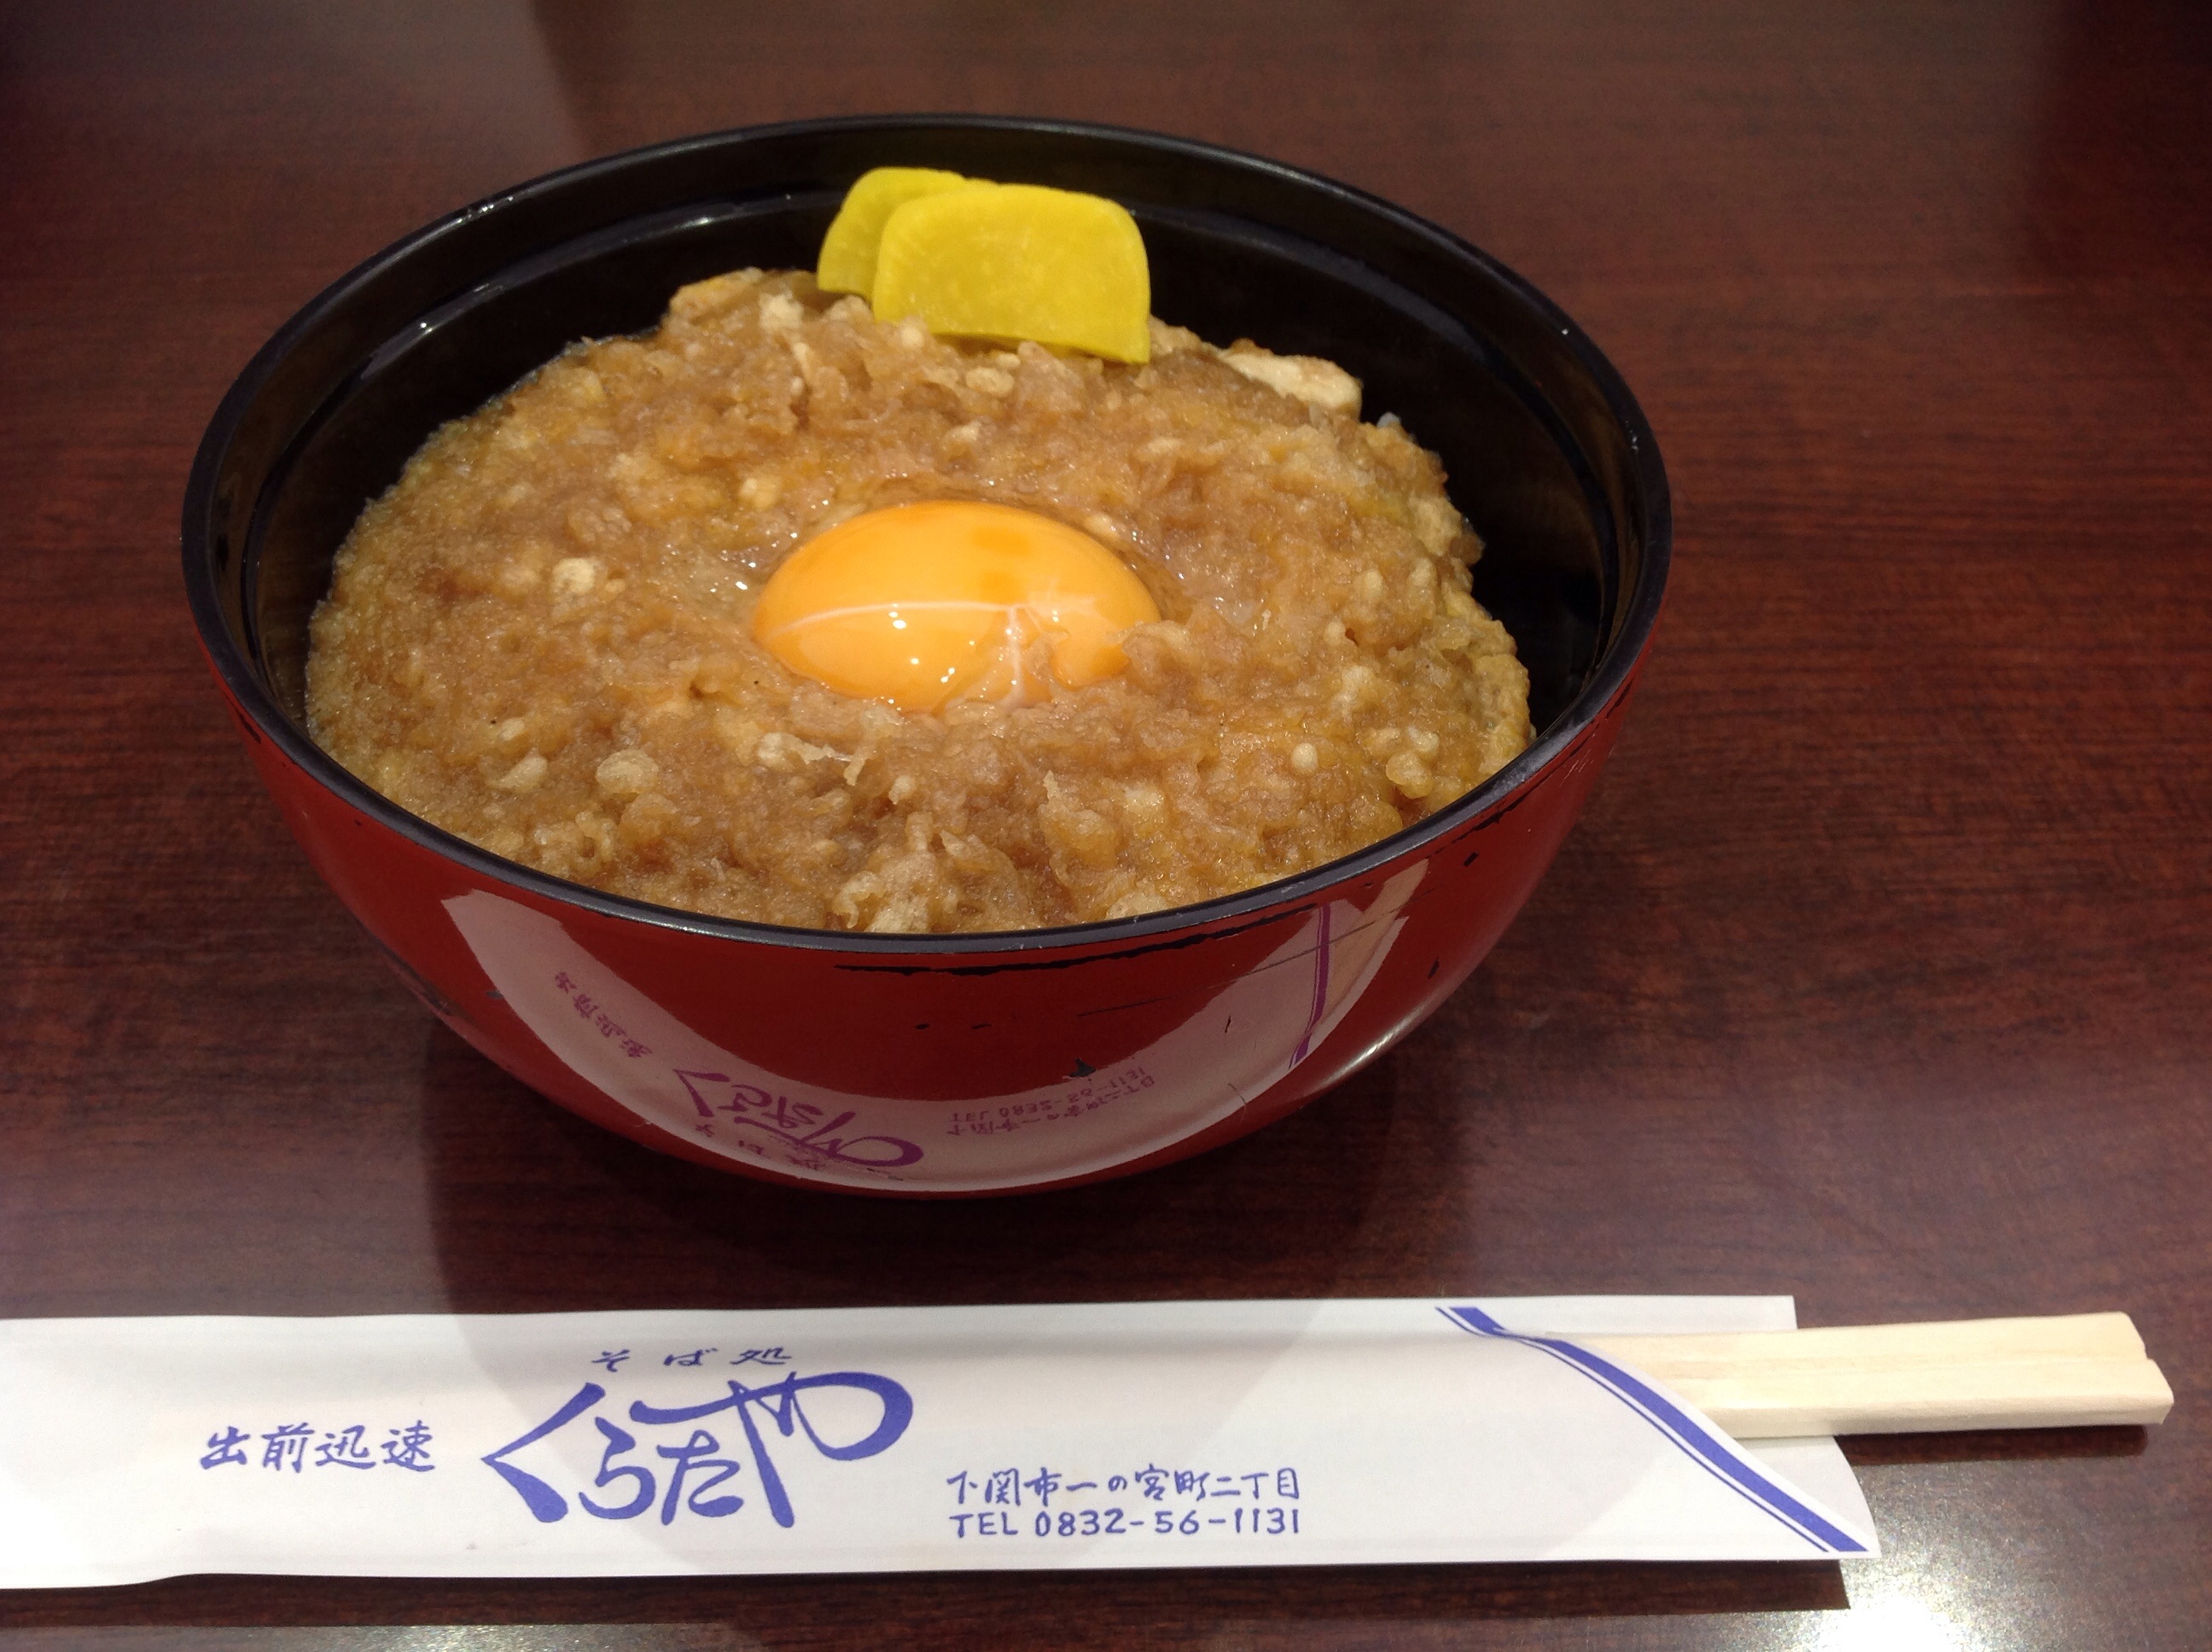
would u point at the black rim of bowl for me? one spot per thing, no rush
(1616, 659)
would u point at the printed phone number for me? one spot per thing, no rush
(1116, 1522)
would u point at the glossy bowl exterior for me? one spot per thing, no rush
(940, 1065)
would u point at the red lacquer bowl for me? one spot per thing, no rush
(941, 1065)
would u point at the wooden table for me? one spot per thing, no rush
(1877, 971)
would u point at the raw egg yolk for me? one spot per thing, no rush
(921, 604)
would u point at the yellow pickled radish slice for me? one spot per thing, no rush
(920, 605)
(847, 263)
(1019, 261)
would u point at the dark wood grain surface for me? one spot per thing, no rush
(1877, 973)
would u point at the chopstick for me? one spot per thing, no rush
(2068, 1370)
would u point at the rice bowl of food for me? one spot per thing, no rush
(924, 757)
